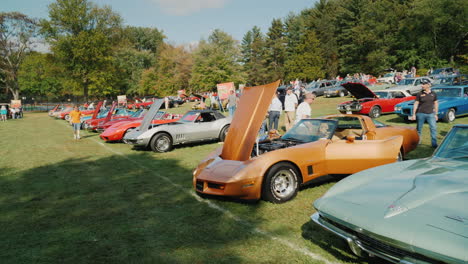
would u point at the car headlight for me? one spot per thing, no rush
(397, 108)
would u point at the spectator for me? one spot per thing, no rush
(3, 113)
(425, 109)
(232, 102)
(304, 110)
(166, 102)
(274, 112)
(290, 104)
(75, 121)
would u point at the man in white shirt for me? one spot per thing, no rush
(290, 104)
(274, 112)
(304, 110)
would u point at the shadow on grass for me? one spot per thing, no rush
(111, 211)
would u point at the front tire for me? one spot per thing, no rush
(67, 117)
(162, 142)
(449, 116)
(342, 94)
(281, 183)
(375, 112)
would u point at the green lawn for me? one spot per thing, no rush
(67, 201)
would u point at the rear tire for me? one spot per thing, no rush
(449, 116)
(375, 112)
(223, 133)
(342, 94)
(280, 183)
(161, 142)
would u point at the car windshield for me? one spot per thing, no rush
(137, 113)
(406, 82)
(388, 75)
(381, 94)
(189, 117)
(159, 115)
(309, 130)
(447, 92)
(378, 123)
(455, 144)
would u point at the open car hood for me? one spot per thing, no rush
(97, 109)
(111, 111)
(146, 122)
(359, 90)
(252, 108)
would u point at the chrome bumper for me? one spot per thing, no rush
(357, 246)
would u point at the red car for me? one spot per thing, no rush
(113, 114)
(372, 103)
(66, 114)
(117, 131)
(139, 103)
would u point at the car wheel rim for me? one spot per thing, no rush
(283, 183)
(451, 116)
(375, 112)
(162, 143)
(341, 94)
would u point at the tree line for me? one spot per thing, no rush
(92, 54)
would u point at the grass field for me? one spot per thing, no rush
(67, 201)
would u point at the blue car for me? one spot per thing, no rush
(453, 101)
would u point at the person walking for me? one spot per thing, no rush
(290, 104)
(75, 121)
(274, 112)
(425, 109)
(304, 110)
(232, 102)
(3, 113)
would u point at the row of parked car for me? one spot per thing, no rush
(398, 211)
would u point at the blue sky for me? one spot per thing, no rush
(184, 21)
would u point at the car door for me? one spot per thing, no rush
(346, 157)
(204, 127)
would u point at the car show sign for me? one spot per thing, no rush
(224, 88)
(15, 103)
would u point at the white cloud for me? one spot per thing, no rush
(186, 7)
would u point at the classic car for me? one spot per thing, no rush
(413, 85)
(274, 169)
(453, 102)
(387, 78)
(443, 72)
(406, 212)
(65, 114)
(194, 126)
(338, 90)
(53, 110)
(372, 103)
(461, 79)
(318, 88)
(113, 114)
(117, 131)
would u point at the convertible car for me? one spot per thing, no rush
(372, 103)
(408, 212)
(273, 169)
(453, 102)
(194, 126)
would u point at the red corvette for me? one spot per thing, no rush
(139, 103)
(117, 131)
(372, 103)
(113, 114)
(66, 114)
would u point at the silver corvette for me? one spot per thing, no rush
(194, 126)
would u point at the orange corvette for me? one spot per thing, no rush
(273, 169)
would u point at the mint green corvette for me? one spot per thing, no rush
(406, 212)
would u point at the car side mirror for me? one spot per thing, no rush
(350, 139)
